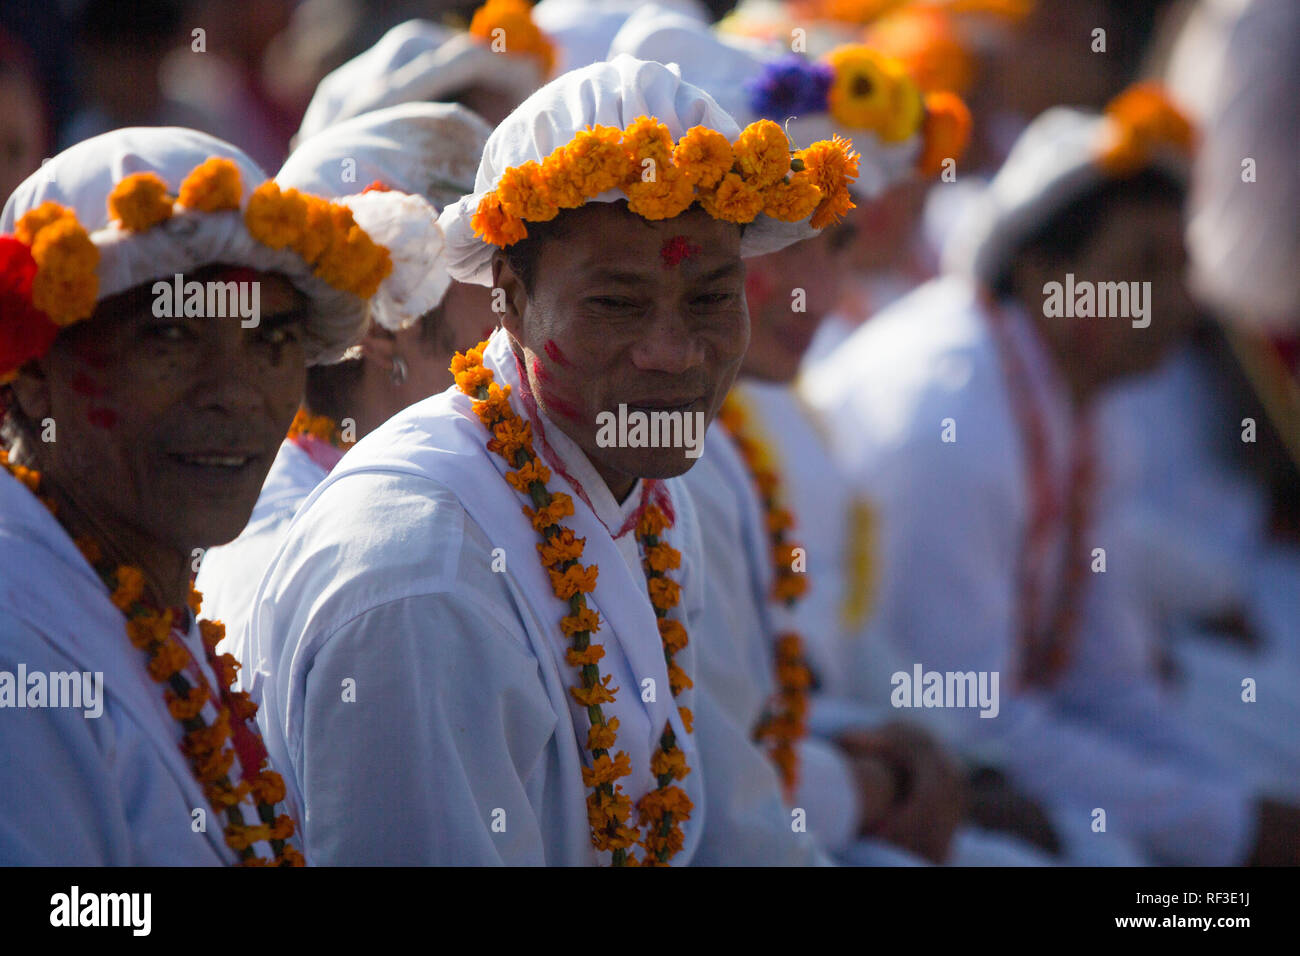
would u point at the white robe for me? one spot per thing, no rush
(952, 518)
(732, 524)
(229, 575)
(463, 744)
(112, 790)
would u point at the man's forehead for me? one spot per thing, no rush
(637, 248)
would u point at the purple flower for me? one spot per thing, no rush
(790, 86)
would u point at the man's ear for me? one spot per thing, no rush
(31, 391)
(509, 294)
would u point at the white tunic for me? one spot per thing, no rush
(415, 685)
(952, 521)
(106, 790)
(229, 575)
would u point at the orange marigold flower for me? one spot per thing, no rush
(147, 629)
(688, 719)
(189, 706)
(617, 838)
(762, 153)
(672, 634)
(200, 742)
(647, 138)
(666, 196)
(526, 474)
(559, 548)
(603, 736)
(317, 232)
(283, 827)
(559, 508)
(791, 200)
(789, 587)
(945, 132)
(242, 705)
(268, 787)
(652, 521)
(494, 225)
(586, 620)
(241, 837)
(704, 155)
(1142, 119)
(214, 766)
(732, 200)
(169, 657)
(561, 181)
(194, 600)
(34, 220)
(212, 633)
(515, 21)
(670, 799)
(225, 667)
(663, 557)
(779, 519)
(65, 286)
(664, 592)
(130, 587)
(832, 165)
(222, 794)
(212, 186)
(140, 201)
(471, 379)
(600, 693)
(793, 676)
(574, 579)
(276, 218)
(591, 654)
(522, 192)
(606, 809)
(495, 406)
(605, 770)
(596, 161)
(291, 857)
(511, 437)
(678, 679)
(669, 763)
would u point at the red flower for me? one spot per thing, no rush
(25, 331)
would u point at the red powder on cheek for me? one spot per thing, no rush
(104, 418)
(553, 397)
(555, 355)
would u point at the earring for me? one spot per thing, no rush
(400, 370)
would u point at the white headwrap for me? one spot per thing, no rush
(82, 177)
(583, 29)
(415, 61)
(425, 154)
(615, 93)
(724, 65)
(1052, 163)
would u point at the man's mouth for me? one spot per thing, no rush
(215, 460)
(661, 404)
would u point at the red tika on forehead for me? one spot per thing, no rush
(675, 250)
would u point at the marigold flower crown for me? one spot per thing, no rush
(1143, 120)
(47, 267)
(734, 181)
(514, 18)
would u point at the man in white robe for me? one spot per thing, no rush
(415, 676)
(93, 771)
(957, 412)
(423, 155)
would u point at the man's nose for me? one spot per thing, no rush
(668, 344)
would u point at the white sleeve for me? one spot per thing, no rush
(450, 718)
(951, 552)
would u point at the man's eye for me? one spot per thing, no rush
(610, 302)
(168, 331)
(279, 331)
(714, 298)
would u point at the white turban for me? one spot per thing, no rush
(726, 65)
(616, 93)
(82, 177)
(416, 61)
(583, 29)
(425, 154)
(1053, 163)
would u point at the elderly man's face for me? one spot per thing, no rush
(168, 426)
(625, 311)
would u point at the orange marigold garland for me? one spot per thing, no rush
(785, 721)
(760, 173)
(207, 746)
(320, 427)
(609, 809)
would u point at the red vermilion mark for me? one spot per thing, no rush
(104, 418)
(675, 250)
(555, 355)
(553, 397)
(83, 384)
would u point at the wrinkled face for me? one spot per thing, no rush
(168, 426)
(789, 293)
(627, 311)
(1134, 242)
